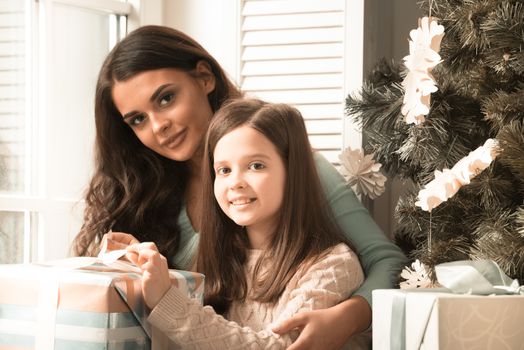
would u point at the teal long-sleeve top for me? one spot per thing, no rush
(381, 259)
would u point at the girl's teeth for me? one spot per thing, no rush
(241, 202)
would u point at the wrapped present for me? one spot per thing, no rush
(79, 303)
(452, 317)
(432, 320)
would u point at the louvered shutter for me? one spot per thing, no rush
(293, 52)
(12, 95)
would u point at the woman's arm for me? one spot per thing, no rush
(380, 258)
(329, 328)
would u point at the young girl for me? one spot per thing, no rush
(269, 248)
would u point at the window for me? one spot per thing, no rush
(50, 54)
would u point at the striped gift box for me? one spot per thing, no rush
(78, 303)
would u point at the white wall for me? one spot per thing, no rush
(216, 28)
(405, 16)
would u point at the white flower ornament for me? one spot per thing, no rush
(362, 171)
(416, 104)
(419, 84)
(448, 181)
(424, 45)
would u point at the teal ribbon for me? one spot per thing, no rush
(479, 277)
(397, 339)
(398, 342)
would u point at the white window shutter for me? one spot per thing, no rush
(293, 52)
(12, 95)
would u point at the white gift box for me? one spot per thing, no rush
(425, 319)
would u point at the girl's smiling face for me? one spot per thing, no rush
(167, 109)
(250, 179)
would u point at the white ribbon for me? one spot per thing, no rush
(46, 314)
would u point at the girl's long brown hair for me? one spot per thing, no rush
(306, 226)
(133, 189)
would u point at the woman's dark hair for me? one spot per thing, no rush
(134, 189)
(306, 227)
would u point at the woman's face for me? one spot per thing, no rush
(167, 109)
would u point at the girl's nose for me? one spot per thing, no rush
(237, 181)
(160, 125)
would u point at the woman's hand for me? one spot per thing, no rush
(328, 328)
(155, 274)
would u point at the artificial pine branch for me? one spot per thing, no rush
(501, 108)
(376, 108)
(504, 31)
(512, 142)
(498, 239)
(494, 188)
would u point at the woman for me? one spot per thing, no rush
(156, 93)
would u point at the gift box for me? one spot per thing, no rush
(79, 303)
(425, 319)
(477, 307)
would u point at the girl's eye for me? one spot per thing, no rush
(136, 120)
(164, 100)
(256, 166)
(222, 171)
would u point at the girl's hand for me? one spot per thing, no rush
(155, 275)
(116, 241)
(328, 328)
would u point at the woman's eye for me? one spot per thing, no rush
(164, 100)
(136, 120)
(222, 171)
(256, 166)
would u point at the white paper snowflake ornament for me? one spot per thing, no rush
(415, 277)
(419, 84)
(362, 172)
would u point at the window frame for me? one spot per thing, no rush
(33, 201)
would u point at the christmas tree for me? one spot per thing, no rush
(480, 96)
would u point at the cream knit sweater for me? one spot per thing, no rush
(248, 325)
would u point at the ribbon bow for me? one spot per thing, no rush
(479, 277)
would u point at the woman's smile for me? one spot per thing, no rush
(175, 140)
